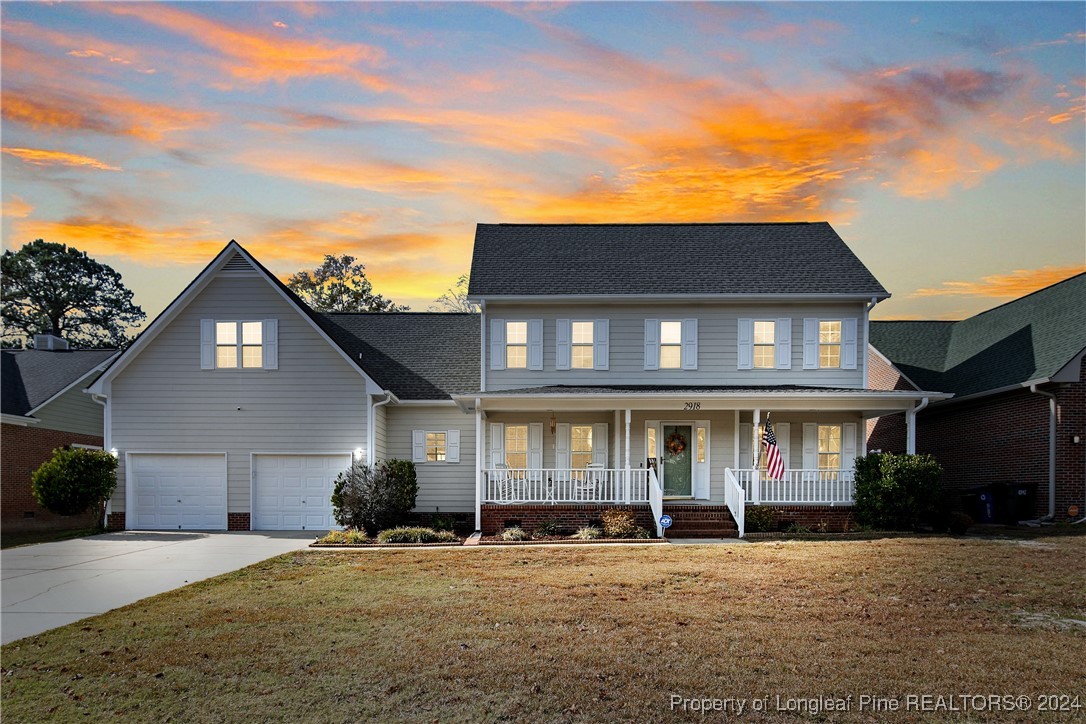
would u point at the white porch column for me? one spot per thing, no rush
(617, 441)
(479, 451)
(629, 416)
(756, 449)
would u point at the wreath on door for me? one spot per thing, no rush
(675, 443)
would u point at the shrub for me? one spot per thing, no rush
(619, 523)
(416, 535)
(442, 522)
(588, 532)
(760, 519)
(349, 536)
(75, 480)
(958, 523)
(549, 527)
(897, 492)
(798, 529)
(371, 497)
(514, 534)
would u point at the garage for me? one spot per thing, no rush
(294, 492)
(177, 491)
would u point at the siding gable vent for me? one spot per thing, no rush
(237, 265)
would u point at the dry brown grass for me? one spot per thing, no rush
(556, 634)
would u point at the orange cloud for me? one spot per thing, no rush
(113, 115)
(258, 58)
(16, 208)
(1005, 286)
(108, 236)
(373, 175)
(42, 157)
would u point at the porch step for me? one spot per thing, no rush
(700, 521)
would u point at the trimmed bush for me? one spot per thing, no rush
(897, 492)
(760, 519)
(75, 480)
(958, 523)
(589, 532)
(416, 535)
(514, 534)
(549, 527)
(350, 536)
(369, 497)
(618, 522)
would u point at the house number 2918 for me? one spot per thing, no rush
(691, 405)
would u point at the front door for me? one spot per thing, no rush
(676, 460)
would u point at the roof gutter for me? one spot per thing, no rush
(1051, 447)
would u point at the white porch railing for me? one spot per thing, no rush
(562, 485)
(656, 502)
(735, 499)
(799, 487)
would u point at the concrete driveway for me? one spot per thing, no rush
(51, 584)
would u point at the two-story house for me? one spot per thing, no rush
(611, 365)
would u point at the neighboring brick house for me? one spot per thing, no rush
(44, 408)
(1018, 374)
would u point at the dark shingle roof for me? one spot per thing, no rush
(659, 259)
(30, 377)
(417, 355)
(1027, 339)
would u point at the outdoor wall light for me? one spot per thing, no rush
(358, 453)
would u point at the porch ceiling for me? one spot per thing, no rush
(870, 403)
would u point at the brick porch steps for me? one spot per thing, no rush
(700, 521)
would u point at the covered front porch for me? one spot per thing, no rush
(557, 447)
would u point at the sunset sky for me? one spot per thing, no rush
(944, 141)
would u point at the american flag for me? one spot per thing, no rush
(774, 463)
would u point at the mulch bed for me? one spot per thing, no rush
(491, 540)
(386, 545)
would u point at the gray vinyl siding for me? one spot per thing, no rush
(315, 402)
(443, 486)
(74, 411)
(718, 329)
(573, 418)
(380, 436)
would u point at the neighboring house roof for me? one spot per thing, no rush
(29, 378)
(1031, 338)
(417, 355)
(666, 259)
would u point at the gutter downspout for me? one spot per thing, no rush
(910, 427)
(1051, 448)
(107, 440)
(371, 438)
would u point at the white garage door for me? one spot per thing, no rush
(178, 492)
(294, 492)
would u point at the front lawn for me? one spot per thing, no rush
(574, 633)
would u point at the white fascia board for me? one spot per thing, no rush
(185, 298)
(426, 403)
(893, 366)
(18, 420)
(97, 368)
(998, 390)
(675, 298)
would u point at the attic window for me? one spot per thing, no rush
(239, 344)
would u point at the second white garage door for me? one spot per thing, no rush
(294, 492)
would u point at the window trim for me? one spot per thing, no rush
(521, 345)
(506, 447)
(754, 345)
(443, 450)
(839, 344)
(679, 344)
(239, 343)
(591, 344)
(840, 446)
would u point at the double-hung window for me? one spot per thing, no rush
(829, 447)
(829, 343)
(239, 344)
(765, 345)
(516, 345)
(516, 446)
(580, 447)
(583, 334)
(436, 446)
(671, 345)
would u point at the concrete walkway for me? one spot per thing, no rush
(48, 585)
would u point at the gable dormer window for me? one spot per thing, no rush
(239, 344)
(516, 345)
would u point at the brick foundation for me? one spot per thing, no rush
(463, 523)
(237, 521)
(570, 516)
(818, 518)
(24, 450)
(115, 521)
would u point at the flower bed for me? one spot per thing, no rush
(493, 540)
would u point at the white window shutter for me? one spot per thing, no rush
(810, 344)
(848, 445)
(497, 344)
(783, 336)
(562, 459)
(418, 446)
(848, 344)
(810, 446)
(497, 443)
(452, 446)
(746, 455)
(535, 445)
(690, 344)
(271, 344)
(745, 351)
(783, 431)
(535, 344)
(652, 344)
(601, 351)
(599, 443)
(563, 354)
(207, 344)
